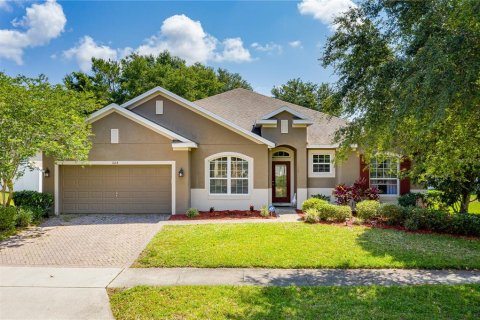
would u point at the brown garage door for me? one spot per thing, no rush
(116, 189)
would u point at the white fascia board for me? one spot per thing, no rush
(183, 146)
(303, 122)
(266, 123)
(136, 118)
(285, 109)
(196, 108)
(328, 146)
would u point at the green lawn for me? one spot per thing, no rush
(301, 245)
(251, 302)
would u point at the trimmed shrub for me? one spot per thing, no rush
(23, 217)
(342, 213)
(7, 218)
(311, 215)
(37, 214)
(192, 213)
(367, 209)
(331, 212)
(466, 223)
(264, 211)
(314, 203)
(321, 197)
(409, 199)
(391, 213)
(34, 199)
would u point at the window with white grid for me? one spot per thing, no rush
(321, 163)
(384, 176)
(229, 175)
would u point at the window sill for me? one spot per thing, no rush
(229, 196)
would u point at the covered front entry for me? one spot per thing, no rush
(115, 189)
(281, 181)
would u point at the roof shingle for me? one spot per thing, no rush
(243, 107)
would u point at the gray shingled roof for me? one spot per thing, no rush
(243, 107)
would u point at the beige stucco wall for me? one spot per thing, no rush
(296, 138)
(211, 138)
(346, 171)
(136, 143)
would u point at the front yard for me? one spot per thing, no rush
(299, 245)
(251, 302)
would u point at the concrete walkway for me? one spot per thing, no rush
(285, 277)
(55, 293)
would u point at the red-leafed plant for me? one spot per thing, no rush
(360, 190)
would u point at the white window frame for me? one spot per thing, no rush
(331, 173)
(283, 126)
(159, 107)
(114, 136)
(229, 195)
(397, 180)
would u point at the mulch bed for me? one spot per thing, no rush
(223, 215)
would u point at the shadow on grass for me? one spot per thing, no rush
(414, 250)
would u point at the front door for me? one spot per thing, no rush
(280, 181)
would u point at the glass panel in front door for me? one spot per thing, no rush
(280, 180)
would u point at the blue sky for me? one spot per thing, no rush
(267, 42)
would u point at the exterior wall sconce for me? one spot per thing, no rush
(180, 173)
(46, 173)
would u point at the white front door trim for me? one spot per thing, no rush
(110, 163)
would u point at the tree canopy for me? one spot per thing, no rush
(119, 81)
(409, 78)
(37, 116)
(320, 97)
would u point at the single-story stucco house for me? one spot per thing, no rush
(160, 153)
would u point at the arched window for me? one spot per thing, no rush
(281, 154)
(229, 175)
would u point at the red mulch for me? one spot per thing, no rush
(380, 225)
(222, 215)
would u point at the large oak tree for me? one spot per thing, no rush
(409, 79)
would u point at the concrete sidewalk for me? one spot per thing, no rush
(284, 277)
(55, 292)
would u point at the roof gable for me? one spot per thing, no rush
(284, 109)
(111, 108)
(198, 109)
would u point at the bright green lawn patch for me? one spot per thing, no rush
(301, 245)
(249, 302)
(474, 206)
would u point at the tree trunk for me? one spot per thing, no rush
(465, 202)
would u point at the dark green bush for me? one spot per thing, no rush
(23, 217)
(441, 221)
(7, 218)
(391, 213)
(409, 199)
(34, 199)
(321, 197)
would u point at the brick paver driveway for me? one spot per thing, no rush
(82, 240)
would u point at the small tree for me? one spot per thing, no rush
(36, 116)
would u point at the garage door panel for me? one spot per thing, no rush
(116, 189)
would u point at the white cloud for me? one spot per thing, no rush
(180, 35)
(41, 23)
(270, 47)
(295, 44)
(87, 49)
(325, 10)
(233, 50)
(183, 37)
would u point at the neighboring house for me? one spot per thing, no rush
(161, 153)
(32, 176)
